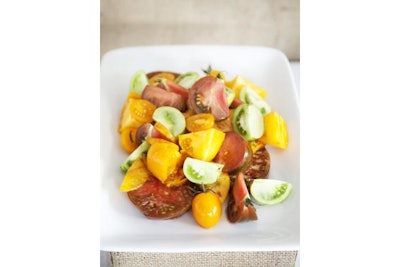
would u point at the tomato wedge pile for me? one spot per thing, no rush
(197, 141)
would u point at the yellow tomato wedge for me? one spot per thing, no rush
(165, 131)
(275, 131)
(135, 113)
(163, 160)
(203, 145)
(221, 186)
(239, 82)
(135, 177)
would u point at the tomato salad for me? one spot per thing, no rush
(197, 141)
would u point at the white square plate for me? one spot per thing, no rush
(124, 228)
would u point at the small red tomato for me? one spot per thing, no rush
(206, 209)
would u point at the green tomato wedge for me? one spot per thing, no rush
(249, 96)
(171, 118)
(230, 95)
(269, 191)
(137, 153)
(138, 82)
(248, 122)
(187, 79)
(200, 171)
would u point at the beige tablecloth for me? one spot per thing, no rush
(201, 259)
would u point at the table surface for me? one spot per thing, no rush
(295, 66)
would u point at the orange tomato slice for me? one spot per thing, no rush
(135, 113)
(200, 122)
(153, 81)
(127, 139)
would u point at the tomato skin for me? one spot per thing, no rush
(171, 86)
(158, 201)
(239, 207)
(234, 153)
(160, 97)
(206, 209)
(259, 165)
(207, 95)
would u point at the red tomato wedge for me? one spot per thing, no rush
(160, 97)
(239, 207)
(158, 201)
(171, 86)
(207, 95)
(234, 153)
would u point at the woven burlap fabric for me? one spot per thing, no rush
(202, 259)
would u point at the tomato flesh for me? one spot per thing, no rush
(158, 201)
(160, 97)
(207, 95)
(239, 207)
(234, 153)
(171, 86)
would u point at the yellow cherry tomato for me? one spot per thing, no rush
(275, 131)
(200, 122)
(206, 209)
(203, 145)
(127, 138)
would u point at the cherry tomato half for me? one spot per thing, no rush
(206, 209)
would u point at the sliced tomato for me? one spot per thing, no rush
(234, 153)
(145, 131)
(128, 141)
(160, 97)
(203, 145)
(260, 164)
(258, 167)
(162, 73)
(135, 112)
(239, 207)
(171, 86)
(207, 95)
(154, 80)
(225, 125)
(158, 201)
(199, 122)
